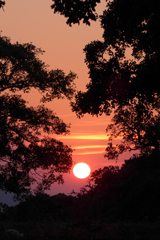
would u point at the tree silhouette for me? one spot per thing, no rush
(115, 194)
(76, 10)
(122, 66)
(123, 69)
(30, 156)
(136, 126)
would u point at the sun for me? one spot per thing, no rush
(81, 170)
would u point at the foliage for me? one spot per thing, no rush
(130, 192)
(124, 72)
(43, 207)
(135, 127)
(121, 67)
(113, 194)
(76, 10)
(30, 157)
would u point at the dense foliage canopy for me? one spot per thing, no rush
(30, 156)
(123, 69)
(130, 192)
(76, 10)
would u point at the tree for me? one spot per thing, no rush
(76, 10)
(30, 156)
(136, 126)
(123, 69)
(121, 66)
(124, 193)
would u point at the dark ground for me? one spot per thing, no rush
(59, 230)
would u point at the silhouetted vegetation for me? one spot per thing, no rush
(30, 158)
(43, 207)
(76, 10)
(126, 193)
(118, 203)
(123, 69)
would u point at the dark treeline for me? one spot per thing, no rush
(112, 193)
(121, 198)
(128, 193)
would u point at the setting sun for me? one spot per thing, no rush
(81, 170)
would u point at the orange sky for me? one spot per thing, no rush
(34, 21)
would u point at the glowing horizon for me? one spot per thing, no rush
(89, 147)
(85, 136)
(89, 153)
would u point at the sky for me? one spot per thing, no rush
(34, 21)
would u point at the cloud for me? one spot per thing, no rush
(84, 136)
(89, 147)
(89, 153)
